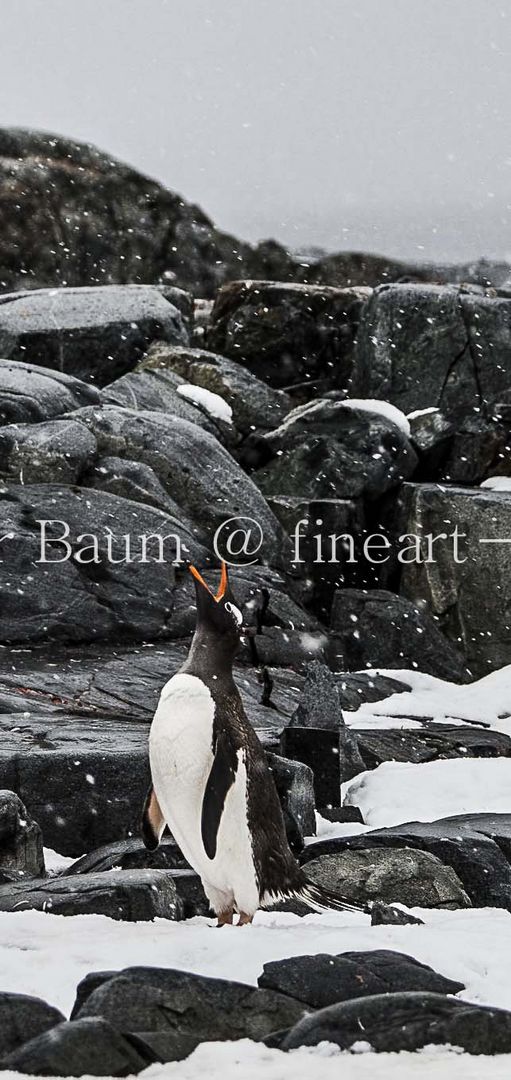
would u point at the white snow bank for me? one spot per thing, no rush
(327, 830)
(487, 701)
(54, 862)
(497, 483)
(206, 399)
(381, 408)
(397, 791)
(246, 1060)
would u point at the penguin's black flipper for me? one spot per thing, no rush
(221, 778)
(153, 822)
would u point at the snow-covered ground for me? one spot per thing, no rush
(47, 955)
(247, 1060)
(400, 791)
(486, 701)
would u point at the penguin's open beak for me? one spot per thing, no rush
(224, 581)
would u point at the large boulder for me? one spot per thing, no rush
(465, 580)
(127, 895)
(377, 629)
(29, 393)
(294, 336)
(317, 735)
(322, 980)
(81, 593)
(477, 847)
(428, 345)
(216, 496)
(89, 1047)
(254, 404)
(336, 449)
(188, 1008)
(21, 841)
(23, 1018)
(93, 333)
(404, 876)
(55, 451)
(406, 1021)
(71, 215)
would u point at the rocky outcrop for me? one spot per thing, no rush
(425, 345)
(414, 878)
(334, 449)
(29, 393)
(466, 582)
(296, 337)
(95, 334)
(323, 980)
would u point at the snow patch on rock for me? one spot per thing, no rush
(213, 404)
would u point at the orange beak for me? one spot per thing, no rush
(223, 581)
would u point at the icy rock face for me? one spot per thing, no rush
(290, 334)
(324, 451)
(429, 345)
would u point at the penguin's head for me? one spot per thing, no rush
(217, 612)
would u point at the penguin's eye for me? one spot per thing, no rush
(235, 612)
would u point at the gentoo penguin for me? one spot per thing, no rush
(210, 779)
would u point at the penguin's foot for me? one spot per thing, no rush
(225, 918)
(244, 919)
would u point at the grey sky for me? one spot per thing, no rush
(363, 124)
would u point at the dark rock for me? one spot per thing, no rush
(479, 448)
(75, 748)
(342, 814)
(90, 1047)
(113, 224)
(254, 404)
(295, 788)
(159, 391)
(292, 336)
(29, 394)
(138, 482)
(128, 855)
(406, 1021)
(23, 1018)
(318, 736)
(434, 741)
(405, 876)
(357, 687)
(322, 980)
(390, 915)
(420, 346)
(82, 598)
(172, 447)
(470, 589)
(480, 861)
(376, 628)
(327, 450)
(133, 855)
(431, 435)
(95, 334)
(191, 1008)
(303, 521)
(127, 895)
(21, 842)
(55, 451)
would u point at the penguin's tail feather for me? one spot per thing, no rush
(324, 900)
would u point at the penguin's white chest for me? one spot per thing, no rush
(181, 757)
